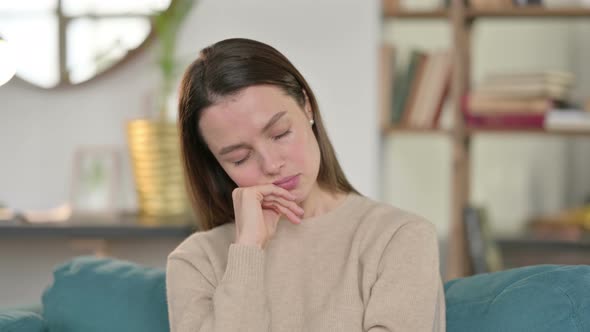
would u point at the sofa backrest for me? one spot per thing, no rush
(536, 298)
(93, 294)
(99, 294)
(21, 321)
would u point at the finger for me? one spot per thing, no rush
(286, 212)
(271, 215)
(270, 189)
(286, 203)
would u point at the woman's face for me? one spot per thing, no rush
(262, 136)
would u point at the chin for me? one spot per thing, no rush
(300, 195)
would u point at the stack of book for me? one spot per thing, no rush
(572, 224)
(503, 4)
(516, 101)
(492, 4)
(419, 90)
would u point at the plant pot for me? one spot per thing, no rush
(155, 157)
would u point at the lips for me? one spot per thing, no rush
(288, 183)
(284, 180)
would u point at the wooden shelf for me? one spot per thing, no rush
(126, 227)
(540, 131)
(494, 131)
(408, 130)
(417, 14)
(531, 12)
(95, 231)
(525, 250)
(530, 240)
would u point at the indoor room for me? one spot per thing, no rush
(180, 165)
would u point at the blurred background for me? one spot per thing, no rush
(493, 146)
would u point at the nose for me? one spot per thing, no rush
(271, 161)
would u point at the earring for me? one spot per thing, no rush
(311, 122)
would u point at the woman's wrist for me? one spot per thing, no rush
(248, 242)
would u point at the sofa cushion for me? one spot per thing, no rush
(535, 298)
(93, 294)
(21, 321)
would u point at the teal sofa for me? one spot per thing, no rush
(92, 294)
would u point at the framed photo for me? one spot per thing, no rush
(96, 175)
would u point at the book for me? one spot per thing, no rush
(478, 103)
(528, 90)
(505, 120)
(419, 5)
(570, 224)
(402, 90)
(524, 3)
(567, 119)
(439, 78)
(548, 76)
(502, 120)
(490, 4)
(556, 231)
(430, 90)
(414, 91)
(550, 84)
(484, 253)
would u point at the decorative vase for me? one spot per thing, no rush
(155, 157)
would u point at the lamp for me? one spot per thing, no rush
(7, 61)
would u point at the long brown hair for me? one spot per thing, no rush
(222, 70)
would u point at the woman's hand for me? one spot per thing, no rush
(257, 210)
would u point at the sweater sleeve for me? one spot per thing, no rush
(237, 303)
(407, 294)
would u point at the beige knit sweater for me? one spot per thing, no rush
(364, 266)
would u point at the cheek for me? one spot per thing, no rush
(305, 152)
(244, 176)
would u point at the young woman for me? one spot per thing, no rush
(285, 242)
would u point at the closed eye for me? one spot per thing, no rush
(239, 162)
(275, 138)
(282, 135)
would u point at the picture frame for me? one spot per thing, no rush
(96, 176)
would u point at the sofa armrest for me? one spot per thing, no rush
(21, 321)
(36, 308)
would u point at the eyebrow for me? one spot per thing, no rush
(266, 127)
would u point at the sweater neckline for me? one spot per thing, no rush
(339, 209)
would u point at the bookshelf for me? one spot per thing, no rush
(408, 130)
(413, 14)
(460, 20)
(475, 131)
(532, 12)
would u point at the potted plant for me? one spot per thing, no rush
(154, 143)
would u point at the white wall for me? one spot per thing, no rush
(332, 42)
(27, 263)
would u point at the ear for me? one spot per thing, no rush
(307, 106)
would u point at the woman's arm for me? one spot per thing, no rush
(408, 293)
(238, 303)
(197, 302)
